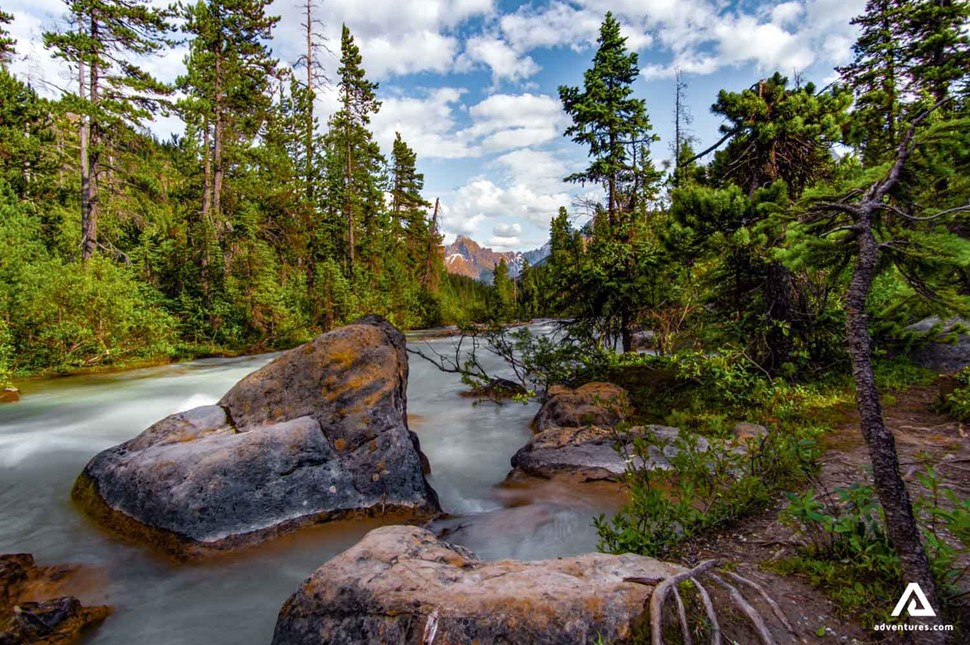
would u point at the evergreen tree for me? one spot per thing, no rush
(607, 120)
(937, 47)
(227, 102)
(8, 45)
(113, 92)
(876, 76)
(354, 160)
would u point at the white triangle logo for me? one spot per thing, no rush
(920, 610)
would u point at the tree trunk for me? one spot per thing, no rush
(84, 135)
(901, 524)
(348, 196)
(778, 307)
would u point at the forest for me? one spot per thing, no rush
(783, 278)
(256, 229)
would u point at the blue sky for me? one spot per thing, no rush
(472, 84)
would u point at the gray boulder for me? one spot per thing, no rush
(318, 434)
(593, 453)
(945, 351)
(402, 585)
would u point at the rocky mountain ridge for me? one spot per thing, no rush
(467, 257)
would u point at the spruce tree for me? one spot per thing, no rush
(226, 103)
(113, 92)
(354, 161)
(937, 47)
(8, 45)
(606, 118)
(877, 76)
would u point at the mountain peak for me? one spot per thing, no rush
(467, 257)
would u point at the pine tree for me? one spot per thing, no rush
(876, 75)
(226, 103)
(607, 120)
(888, 221)
(8, 45)
(938, 47)
(354, 160)
(113, 92)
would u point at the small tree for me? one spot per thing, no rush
(872, 222)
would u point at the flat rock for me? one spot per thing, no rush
(941, 353)
(320, 433)
(593, 404)
(402, 585)
(593, 453)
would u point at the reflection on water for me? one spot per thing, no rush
(47, 438)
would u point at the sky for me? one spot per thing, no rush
(472, 85)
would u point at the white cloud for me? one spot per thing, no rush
(507, 230)
(509, 121)
(504, 62)
(427, 123)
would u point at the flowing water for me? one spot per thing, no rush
(48, 437)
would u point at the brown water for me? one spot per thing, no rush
(47, 438)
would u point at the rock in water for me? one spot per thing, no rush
(27, 618)
(593, 404)
(318, 434)
(400, 583)
(592, 453)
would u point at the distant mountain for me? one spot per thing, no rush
(467, 257)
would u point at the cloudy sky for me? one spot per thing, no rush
(472, 84)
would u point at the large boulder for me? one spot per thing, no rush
(945, 351)
(402, 585)
(29, 615)
(593, 404)
(593, 453)
(320, 433)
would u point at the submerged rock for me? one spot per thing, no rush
(9, 395)
(947, 352)
(402, 585)
(593, 404)
(27, 618)
(320, 433)
(592, 453)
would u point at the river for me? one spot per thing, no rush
(48, 437)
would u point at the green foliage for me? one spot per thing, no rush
(707, 487)
(849, 556)
(958, 401)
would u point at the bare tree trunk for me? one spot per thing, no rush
(348, 196)
(85, 136)
(901, 524)
(89, 224)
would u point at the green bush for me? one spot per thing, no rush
(958, 401)
(65, 315)
(848, 555)
(704, 489)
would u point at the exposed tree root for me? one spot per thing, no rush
(662, 590)
(660, 594)
(779, 614)
(682, 616)
(756, 620)
(711, 614)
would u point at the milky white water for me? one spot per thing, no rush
(48, 437)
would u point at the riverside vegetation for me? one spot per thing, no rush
(777, 270)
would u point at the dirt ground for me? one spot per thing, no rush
(922, 435)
